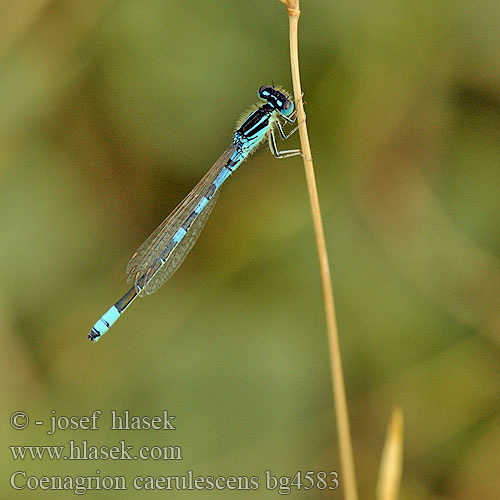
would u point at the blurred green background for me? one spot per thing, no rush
(111, 111)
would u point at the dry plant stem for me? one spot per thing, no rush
(348, 476)
(392, 459)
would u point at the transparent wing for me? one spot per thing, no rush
(145, 259)
(182, 249)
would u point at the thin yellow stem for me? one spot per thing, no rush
(389, 479)
(348, 476)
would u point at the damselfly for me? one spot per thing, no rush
(163, 252)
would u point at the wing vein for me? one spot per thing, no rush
(147, 270)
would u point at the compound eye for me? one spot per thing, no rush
(287, 108)
(265, 92)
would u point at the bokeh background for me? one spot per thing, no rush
(112, 110)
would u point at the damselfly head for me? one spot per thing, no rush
(277, 99)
